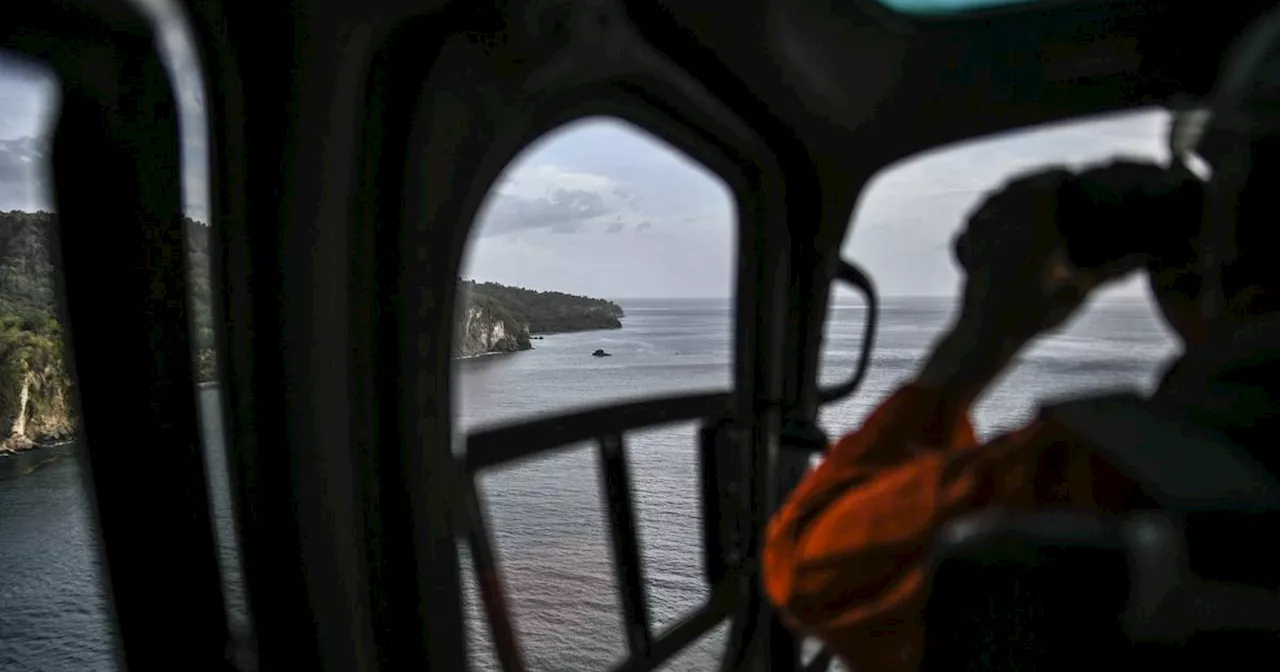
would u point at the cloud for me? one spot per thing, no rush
(666, 227)
(24, 175)
(29, 99)
(562, 210)
(543, 197)
(628, 197)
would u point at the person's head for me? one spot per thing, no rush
(1228, 269)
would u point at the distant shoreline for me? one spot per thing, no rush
(35, 446)
(22, 462)
(538, 335)
(559, 332)
(479, 355)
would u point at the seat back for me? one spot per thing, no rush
(1023, 593)
(1193, 581)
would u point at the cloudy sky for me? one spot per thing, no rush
(29, 103)
(601, 208)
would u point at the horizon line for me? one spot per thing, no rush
(1119, 297)
(730, 298)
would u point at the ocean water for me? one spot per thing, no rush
(547, 513)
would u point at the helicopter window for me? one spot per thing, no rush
(551, 530)
(547, 518)
(177, 51)
(55, 613)
(902, 232)
(600, 268)
(67, 623)
(598, 237)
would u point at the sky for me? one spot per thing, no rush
(600, 207)
(29, 100)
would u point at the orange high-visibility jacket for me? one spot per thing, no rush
(844, 557)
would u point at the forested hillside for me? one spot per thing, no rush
(34, 381)
(549, 312)
(35, 385)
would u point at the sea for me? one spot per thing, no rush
(547, 513)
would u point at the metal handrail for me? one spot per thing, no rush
(499, 446)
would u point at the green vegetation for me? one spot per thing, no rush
(497, 318)
(548, 312)
(484, 325)
(34, 382)
(491, 306)
(35, 386)
(26, 274)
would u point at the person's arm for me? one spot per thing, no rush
(844, 555)
(965, 361)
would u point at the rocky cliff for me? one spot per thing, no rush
(35, 389)
(497, 318)
(485, 326)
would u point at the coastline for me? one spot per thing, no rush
(27, 460)
(37, 445)
(534, 336)
(478, 355)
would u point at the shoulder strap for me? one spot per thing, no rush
(1183, 466)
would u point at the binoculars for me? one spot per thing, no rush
(1124, 208)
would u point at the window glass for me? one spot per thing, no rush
(600, 270)
(902, 233)
(55, 614)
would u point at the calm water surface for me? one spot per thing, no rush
(547, 513)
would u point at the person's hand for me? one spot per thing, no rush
(1020, 281)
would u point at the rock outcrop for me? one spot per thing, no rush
(485, 327)
(496, 318)
(35, 389)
